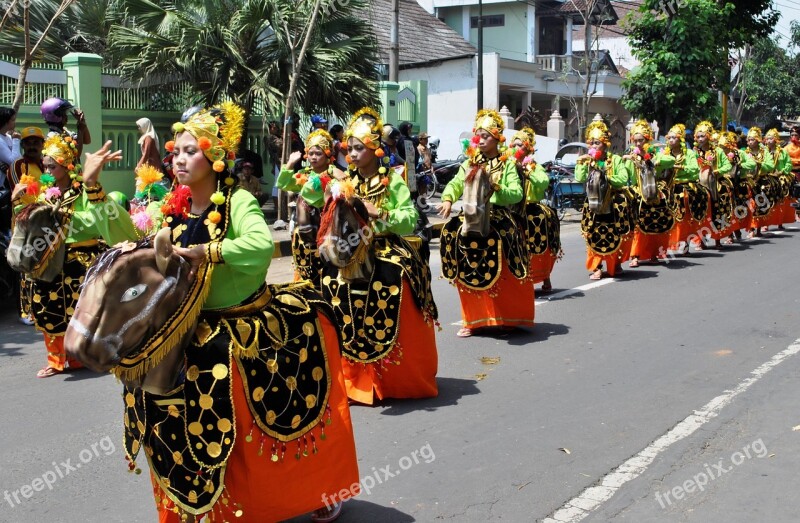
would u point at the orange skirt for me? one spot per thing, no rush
(680, 235)
(649, 246)
(412, 375)
(541, 266)
(268, 491)
(789, 213)
(613, 262)
(508, 304)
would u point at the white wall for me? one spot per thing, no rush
(618, 47)
(452, 101)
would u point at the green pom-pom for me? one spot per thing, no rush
(382, 170)
(217, 198)
(47, 179)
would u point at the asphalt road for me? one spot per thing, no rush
(666, 395)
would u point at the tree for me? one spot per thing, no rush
(30, 26)
(766, 85)
(244, 50)
(683, 48)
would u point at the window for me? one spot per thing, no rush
(488, 21)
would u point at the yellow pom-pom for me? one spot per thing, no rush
(218, 166)
(229, 181)
(217, 198)
(382, 170)
(178, 127)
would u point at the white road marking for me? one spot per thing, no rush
(565, 293)
(591, 498)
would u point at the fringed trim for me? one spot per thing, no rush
(305, 444)
(171, 333)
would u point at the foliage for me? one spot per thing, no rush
(684, 54)
(243, 50)
(768, 83)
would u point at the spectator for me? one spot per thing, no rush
(54, 111)
(30, 164)
(249, 182)
(319, 122)
(339, 147)
(149, 144)
(9, 138)
(424, 152)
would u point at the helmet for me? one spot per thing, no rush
(54, 109)
(318, 118)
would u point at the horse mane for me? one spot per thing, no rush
(25, 213)
(330, 210)
(110, 257)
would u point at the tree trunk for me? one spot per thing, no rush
(583, 119)
(283, 202)
(20, 92)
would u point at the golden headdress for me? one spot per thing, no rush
(679, 130)
(366, 126)
(218, 130)
(60, 148)
(489, 120)
(642, 127)
(704, 127)
(754, 132)
(320, 138)
(773, 133)
(598, 130)
(527, 135)
(728, 140)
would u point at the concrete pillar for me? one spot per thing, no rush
(388, 95)
(569, 38)
(84, 75)
(556, 127)
(628, 130)
(531, 32)
(508, 120)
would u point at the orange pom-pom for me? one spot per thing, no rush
(170, 146)
(231, 155)
(214, 217)
(327, 152)
(165, 209)
(204, 143)
(502, 138)
(348, 159)
(68, 139)
(218, 166)
(59, 160)
(385, 182)
(71, 167)
(379, 152)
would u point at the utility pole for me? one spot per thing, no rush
(394, 43)
(480, 54)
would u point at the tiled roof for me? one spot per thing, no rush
(574, 8)
(423, 37)
(622, 8)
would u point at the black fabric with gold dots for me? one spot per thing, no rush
(369, 313)
(604, 232)
(275, 340)
(476, 262)
(653, 218)
(543, 228)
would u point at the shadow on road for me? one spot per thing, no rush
(635, 274)
(450, 391)
(356, 510)
(541, 332)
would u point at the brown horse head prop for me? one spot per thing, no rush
(129, 298)
(345, 238)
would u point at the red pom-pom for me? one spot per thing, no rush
(204, 143)
(647, 156)
(520, 154)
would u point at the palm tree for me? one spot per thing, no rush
(243, 50)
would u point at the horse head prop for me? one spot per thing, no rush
(476, 203)
(136, 314)
(345, 235)
(648, 187)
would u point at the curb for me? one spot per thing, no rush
(283, 248)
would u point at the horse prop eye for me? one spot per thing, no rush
(133, 293)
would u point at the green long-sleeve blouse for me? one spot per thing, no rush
(661, 161)
(537, 185)
(619, 176)
(751, 167)
(686, 167)
(244, 255)
(400, 214)
(721, 165)
(783, 164)
(508, 190)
